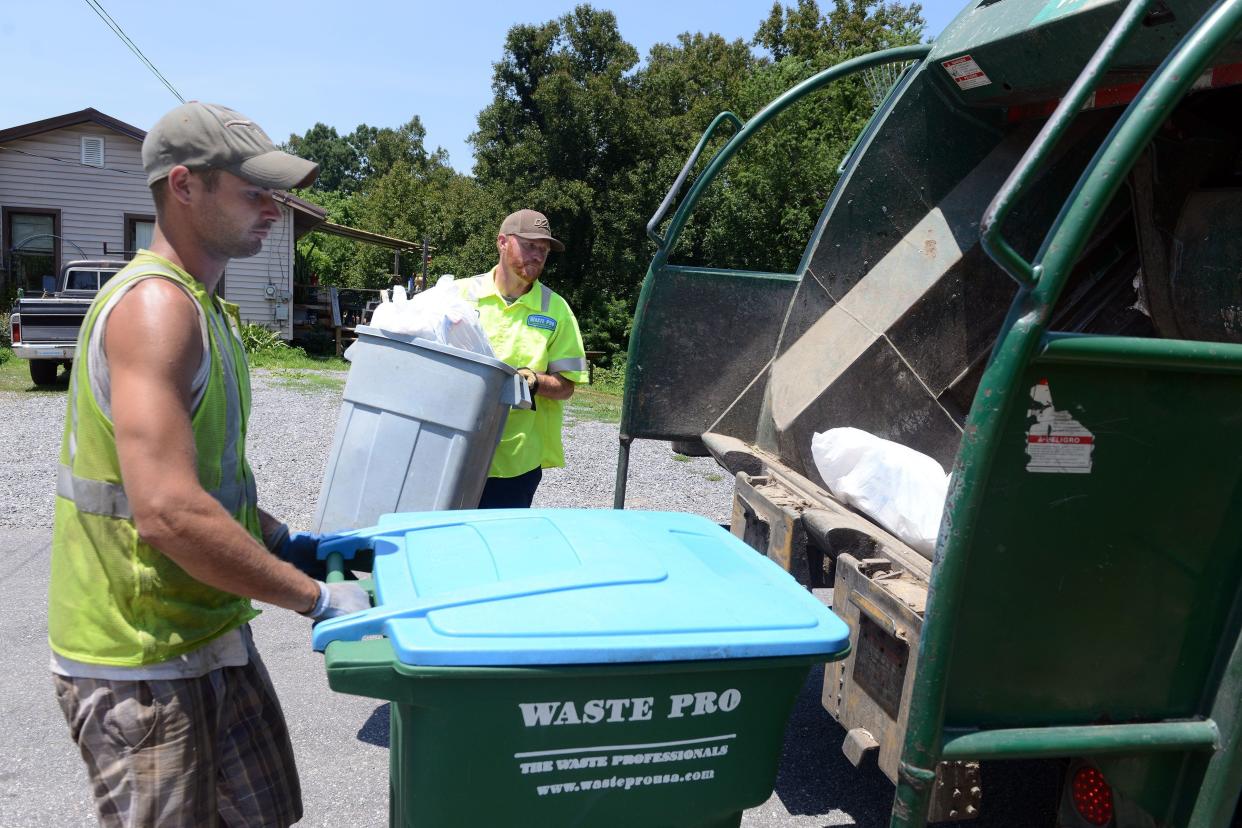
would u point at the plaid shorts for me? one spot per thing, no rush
(205, 751)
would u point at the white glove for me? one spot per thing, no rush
(340, 598)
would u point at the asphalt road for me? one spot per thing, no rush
(342, 741)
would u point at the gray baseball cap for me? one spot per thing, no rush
(208, 136)
(530, 224)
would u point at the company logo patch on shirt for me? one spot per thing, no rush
(538, 320)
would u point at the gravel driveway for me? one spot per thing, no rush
(291, 432)
(340, 741)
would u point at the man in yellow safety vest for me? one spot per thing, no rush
(159, 543)
(531, 328)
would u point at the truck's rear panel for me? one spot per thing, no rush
(891, 315)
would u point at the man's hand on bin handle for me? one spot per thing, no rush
(299, 549)
(340, 598)
(532, 379)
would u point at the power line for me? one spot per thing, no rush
(71, 163)
(133, 47)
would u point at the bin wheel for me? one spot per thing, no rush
(43, 371)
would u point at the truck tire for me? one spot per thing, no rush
(43, 371)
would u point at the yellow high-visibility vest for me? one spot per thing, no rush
(537, 331)
(113, 599)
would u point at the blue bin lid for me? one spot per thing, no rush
(529, 586)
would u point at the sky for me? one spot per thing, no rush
(290, 65)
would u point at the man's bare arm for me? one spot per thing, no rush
(154, 346)
(554, 386)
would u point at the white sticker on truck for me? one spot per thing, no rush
(965, 72)
(1056, 443)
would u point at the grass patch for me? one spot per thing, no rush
(681, 458)
(15, 376)
(295, 359)
(289, 366)
(591, 403)
(307, 380)
(715, 478)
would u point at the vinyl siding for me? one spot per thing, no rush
(246, 280)
(92, 201)
(44, 171)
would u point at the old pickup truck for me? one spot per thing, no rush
(45, 328)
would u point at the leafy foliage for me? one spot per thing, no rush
(580, 130)
(256, 339)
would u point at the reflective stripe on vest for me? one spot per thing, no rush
(109, 499)
(568, 364)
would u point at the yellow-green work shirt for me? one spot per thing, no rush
(538, 331)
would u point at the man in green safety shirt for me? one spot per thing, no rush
(531, 328)
(159, 543)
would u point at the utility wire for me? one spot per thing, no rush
(71, 163)
(133, 47)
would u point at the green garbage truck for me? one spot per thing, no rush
(1029, 270)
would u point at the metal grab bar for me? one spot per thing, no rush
(844, 69)
(1133, 131)
(685, 170)
(1022, 271)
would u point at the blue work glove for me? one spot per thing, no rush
(302, 550)
(299, 549)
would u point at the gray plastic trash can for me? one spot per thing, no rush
(417, 429)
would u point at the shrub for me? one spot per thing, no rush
(257, 339)
(611, 378)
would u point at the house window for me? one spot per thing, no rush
(138, 233)
(31, 247)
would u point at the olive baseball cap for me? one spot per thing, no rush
(530, 224)
(208, 136)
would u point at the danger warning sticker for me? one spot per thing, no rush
(965, 72)
(1056, 443)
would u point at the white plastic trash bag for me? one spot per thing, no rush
(901, 489)
(438, 314)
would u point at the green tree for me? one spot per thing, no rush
(339, 164)
(579, 130)
(849, 28)
(325, 256)
(760, 213)
(567, 134)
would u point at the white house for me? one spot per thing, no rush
(72, 187)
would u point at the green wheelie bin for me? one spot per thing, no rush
(577, 667)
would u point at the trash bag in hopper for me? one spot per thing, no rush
(901, 489)
(438, 314)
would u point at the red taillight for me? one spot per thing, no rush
(1092, 796)
(17, 332)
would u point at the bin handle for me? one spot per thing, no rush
(519, 394)
(336, 568)
(372, 621)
